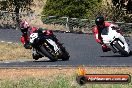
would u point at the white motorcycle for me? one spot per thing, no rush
(115, 41)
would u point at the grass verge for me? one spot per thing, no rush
(13, 51)
(57, 78)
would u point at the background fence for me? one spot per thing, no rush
(7, 20)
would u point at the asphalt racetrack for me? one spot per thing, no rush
(82, 48)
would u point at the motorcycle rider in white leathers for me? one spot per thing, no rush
(97, 30)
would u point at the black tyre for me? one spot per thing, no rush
(47, 54)
(64, 54)
(121, 50)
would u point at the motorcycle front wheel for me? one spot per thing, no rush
(64, 54)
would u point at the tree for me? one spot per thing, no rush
(69, 8)
(15, 6)
(129, 6)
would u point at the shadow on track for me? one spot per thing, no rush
(114, 56)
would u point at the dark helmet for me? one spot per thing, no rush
(99, 20)
(24, 26)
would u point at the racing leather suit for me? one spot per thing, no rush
(97, 32)
(25, 37)
(97, 35)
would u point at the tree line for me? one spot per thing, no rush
(88, 9)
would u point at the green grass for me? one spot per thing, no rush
(58, 82)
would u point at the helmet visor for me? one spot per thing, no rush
(99, 23)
